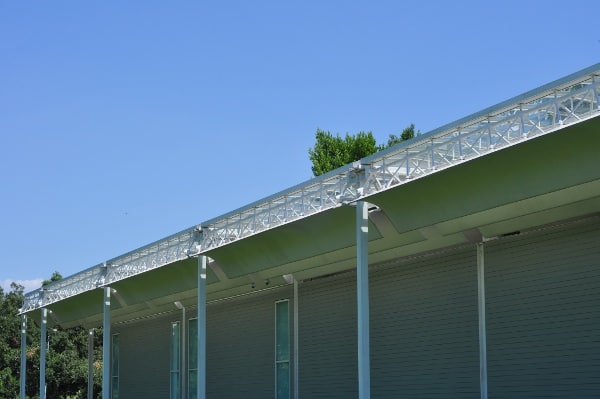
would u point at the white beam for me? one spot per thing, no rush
(218, 271)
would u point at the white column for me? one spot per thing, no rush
(90, 389)
(43, 343)
(201, 327)
(23, 375)
(106, 343)
(183, 351)
(482, 324)
(362, 285)
(296, 345)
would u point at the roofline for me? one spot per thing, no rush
(558, 84)
(375, 173)
(499, 108)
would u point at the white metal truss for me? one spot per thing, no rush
(539, 112)
(160, 253)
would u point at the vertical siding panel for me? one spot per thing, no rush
(544, 314)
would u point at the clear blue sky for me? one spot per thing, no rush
(124, 122)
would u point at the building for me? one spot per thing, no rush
(460, 264)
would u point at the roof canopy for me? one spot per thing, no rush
(525, 162)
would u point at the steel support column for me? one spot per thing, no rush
(183, 351)
(482, 324)
(106, 346)
(43, 343)
(296, 343)
(362, 285)
(90, 387)
(201, 383)
(23, 375)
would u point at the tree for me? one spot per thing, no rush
(407, 134)
(331, 152)
(55, 277)
(10, 341)
(66, 362)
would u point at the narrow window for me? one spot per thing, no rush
(282, 350)
(193, 358)
(175, 360)
(115, 367)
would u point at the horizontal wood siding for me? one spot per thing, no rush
(543, 314)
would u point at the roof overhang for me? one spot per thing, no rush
(544, 180)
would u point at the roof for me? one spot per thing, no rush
(467, 174)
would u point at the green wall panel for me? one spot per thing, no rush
(543, 313)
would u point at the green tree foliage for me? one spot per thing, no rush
(55, 277)
(10, 341)
(331, 152)
(67, 353)
(407, 134)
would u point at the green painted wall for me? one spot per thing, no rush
(144, 357)
(241, 346)
(543, 312)
(423, 331)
